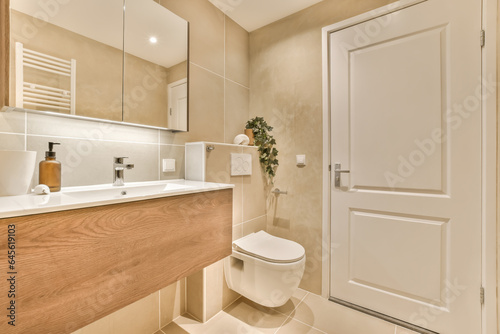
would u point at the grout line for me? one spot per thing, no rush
(250, 220)
(159, 310)
(206, 69)
(225, 139)
(217, 74)
(26, 131)
(160, 165)
(13, 133)
(234, 301)
(237, 83)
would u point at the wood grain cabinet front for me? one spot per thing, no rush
(71, 268)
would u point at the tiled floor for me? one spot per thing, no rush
(303, 313)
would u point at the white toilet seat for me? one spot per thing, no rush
(269, 248)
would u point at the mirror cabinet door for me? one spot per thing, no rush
(155, 76)
(67, 58)
(90, 58)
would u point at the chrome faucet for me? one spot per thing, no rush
(118, 168)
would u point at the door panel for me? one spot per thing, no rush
(410, 115)
(405, 120)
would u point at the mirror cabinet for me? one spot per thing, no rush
(114, 60)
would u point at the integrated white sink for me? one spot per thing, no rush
(104, 192)
(88, 196)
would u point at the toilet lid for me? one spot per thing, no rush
(269, 248)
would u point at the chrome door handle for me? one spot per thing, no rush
(337, 169)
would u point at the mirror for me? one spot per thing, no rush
(115, 60)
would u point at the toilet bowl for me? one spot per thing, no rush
(264, 268)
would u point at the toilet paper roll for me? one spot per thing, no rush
(41, 189)
(241, 140)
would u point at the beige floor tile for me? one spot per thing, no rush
(296, 327)
(265, 319)
(222, 323)
(336, 319)
(172, 328)
(292, 304)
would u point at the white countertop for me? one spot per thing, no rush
(90, 196)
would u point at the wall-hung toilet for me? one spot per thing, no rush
(264, 268)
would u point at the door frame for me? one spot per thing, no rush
(170, 86)
(490, 176)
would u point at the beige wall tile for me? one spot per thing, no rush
(228, 296)
(11, 142)
(218, 169)
(236, 114)
(206, 32)
(214, 285)
(87, 162)
(139, 317)
(101, 326)
(194, 295)
(172, 152)
(172, 302)
(255, 225)
(206, 106)
(66, 127)
(254, 189)
(237, 53)
(12, 121)
(237, 231)
(285, 81)
(174, 138)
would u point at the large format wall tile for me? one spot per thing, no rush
(206, 108)
(172, 152)
(172, 302)
(206, 32)
(139, 317)
(285, 81)
(87, 162)
(12, 121)
(67, 127)
(11, 142)
(237, 53)
(236, 110)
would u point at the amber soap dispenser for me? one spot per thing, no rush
(50, 170)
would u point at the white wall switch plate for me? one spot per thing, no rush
(301, 160)
(241, 164)
(168, 165)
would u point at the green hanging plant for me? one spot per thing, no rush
(265, 142)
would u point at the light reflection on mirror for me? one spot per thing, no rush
(155, 58)
(68, 58)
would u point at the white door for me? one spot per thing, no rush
(177, 105)
(406, 123)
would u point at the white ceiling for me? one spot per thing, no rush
(254, 14)
(144, 19)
